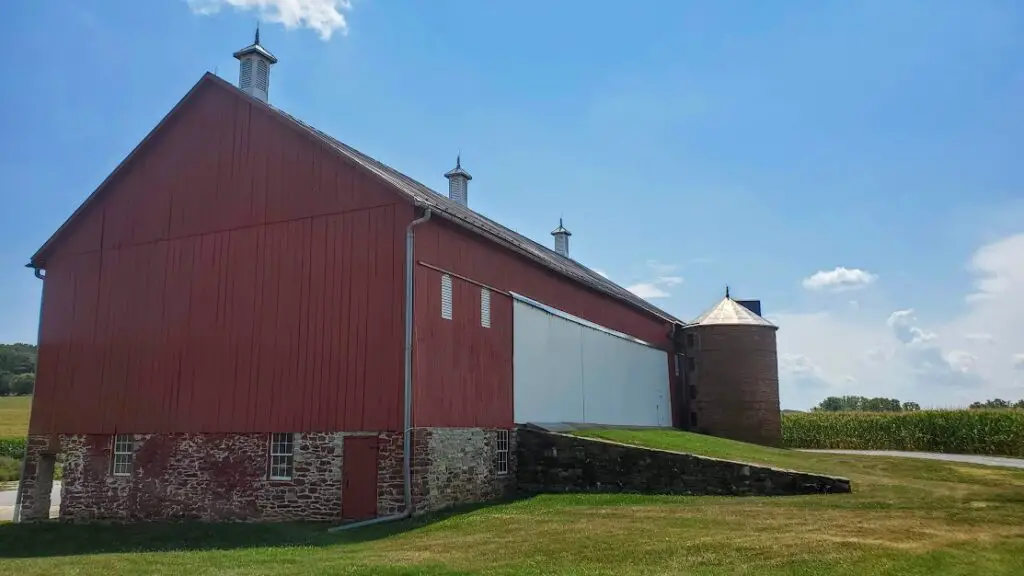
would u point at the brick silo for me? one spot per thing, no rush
(733, 373)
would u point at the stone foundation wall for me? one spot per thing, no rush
(36, 484)
(551, 462)
(459, 466)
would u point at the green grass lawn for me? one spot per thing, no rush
(905, 517)
(14, 412)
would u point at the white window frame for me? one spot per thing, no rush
(502, 452)
(122, 454)
(281, 463)
(485, 307)
(446, 297)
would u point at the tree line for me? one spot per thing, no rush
(17, 369)
(864, 404)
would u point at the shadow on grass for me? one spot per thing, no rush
(52, 538)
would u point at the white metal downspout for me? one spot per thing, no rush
(407, 425)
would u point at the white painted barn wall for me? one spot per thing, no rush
(568, 370)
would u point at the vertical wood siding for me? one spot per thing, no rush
(237, 277)
(456, 384)
(463, 371)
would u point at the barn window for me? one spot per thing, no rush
(446, 297)
(124, 453)
(501, 463)
(282, 455)
(485, 307)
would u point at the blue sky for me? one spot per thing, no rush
(686, 144)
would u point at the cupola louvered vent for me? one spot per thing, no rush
(262, 74)
(245, 75)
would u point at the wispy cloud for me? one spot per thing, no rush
(839, 279)
(658, 286)
(324, 16)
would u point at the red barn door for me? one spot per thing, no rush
(359, 478)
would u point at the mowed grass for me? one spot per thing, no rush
(14, 413)
(905, 517)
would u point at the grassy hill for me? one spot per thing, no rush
(908, 517)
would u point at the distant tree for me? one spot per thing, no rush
(5, 383)
(995, 404)
(1019, 404)
(22, 384)
(17, 358)
(911, 406)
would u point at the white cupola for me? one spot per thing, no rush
(254, 68)
(561, 239)
(458, 182)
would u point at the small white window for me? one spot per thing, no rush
(446, 297)
(502, 453)
(485, 307)
(282, 455)
(124, 453)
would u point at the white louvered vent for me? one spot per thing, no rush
(262, 75)
(245, 75)
(485, 307)
(446, 297)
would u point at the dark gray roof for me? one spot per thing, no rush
(443, 206)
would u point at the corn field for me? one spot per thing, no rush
(991, 432)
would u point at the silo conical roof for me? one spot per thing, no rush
(728, 311)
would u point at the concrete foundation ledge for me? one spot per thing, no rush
(550, 462)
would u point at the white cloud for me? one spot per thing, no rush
(901, 322)
(648, 290)
(839, 279)
(656, 287)
(966, 356)
(601, 272)
(981, 337)
(323, 16)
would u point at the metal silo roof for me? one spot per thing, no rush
(728, 311)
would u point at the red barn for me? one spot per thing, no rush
(249, 319)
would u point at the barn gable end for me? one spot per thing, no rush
(157, 316)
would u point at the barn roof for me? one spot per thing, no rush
(729, 311)
(422, 196)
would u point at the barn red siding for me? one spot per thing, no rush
(234, 277)
(463, 370)
(454, 383)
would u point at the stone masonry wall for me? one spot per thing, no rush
(458, 466)
(35, 483)
(214, 477)
(550, 462)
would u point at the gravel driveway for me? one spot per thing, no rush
(966, 458)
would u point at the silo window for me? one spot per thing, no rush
(693, 392)
(485, 307)
(693, 419)
(691, 340)
(691, 364)
(446, 297)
